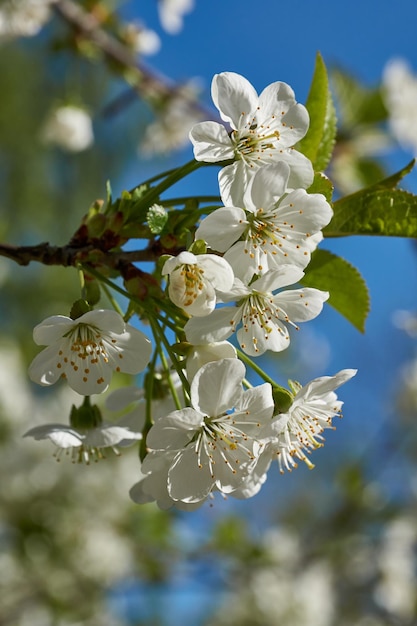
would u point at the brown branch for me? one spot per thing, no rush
(150, 83)
(68, 256)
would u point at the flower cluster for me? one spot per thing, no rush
(258, 245)
(239, 279)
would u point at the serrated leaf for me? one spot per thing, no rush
(376, 210)
(318, 144)
(348, 291)
(392, 181)
(322, 184)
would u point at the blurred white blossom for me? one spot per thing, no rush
(400, 91)
(70, 128)
(23, 18)
(171, 14)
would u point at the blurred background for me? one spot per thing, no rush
(332, 546)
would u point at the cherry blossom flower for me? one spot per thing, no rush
(264, 316)
(70, 128)
(171, 13)
(299, 431)
(84, 445)
(23, 18)
(400, 95)
(211, 445)
(193, 281)
(274, 227)
(264, 130)
(87, 350)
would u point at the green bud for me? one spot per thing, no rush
(86, 416)
(282, 399)
(198, 247)
(79, 308)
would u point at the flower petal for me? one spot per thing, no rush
(301, 305)
(44, 368)
(186, 480)
(211, 142)
(234, 96)
(217, 326)
(225, 377)
(52, 329)
(222, 228)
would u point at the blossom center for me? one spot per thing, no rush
(254, 140)
(222, 443)
(193, 282)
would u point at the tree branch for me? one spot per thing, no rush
(69, 256)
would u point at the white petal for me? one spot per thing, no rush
(217, 271)
(255, 341)
(325, 384)
(186, 480)
(217, 386)
(267, 186)
(256, 404)
(244, 265)
(131, 351)
(62, 436)
(211, 142)
(276, 279)
(108, 436)
(52, 329)
(217, 326)
(104, 320)
(234, 96)
(301, 169)
(222, 228)
(301, 305)
(174, 262)
(204, 353)
(233, 180)
(44, 368)
(89, 380)
(175, 430)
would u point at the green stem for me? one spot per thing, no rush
(158, 331)
(111, 299)
(185, 199)
(244, 357)
(154, 192)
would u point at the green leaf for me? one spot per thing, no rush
(318, 144)
(348, 291)
(322, 184)
(376, 210)
(357, 104)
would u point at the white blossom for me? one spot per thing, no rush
(193, 281)
(264, 130)
(174, 119)
(23, 18)
(171, 14)
(87, 350)
(400, 91)
(299, 431)
(272, 227)
(263, 317)
(142, 40)
(211, 445)
(84, 445)
(70, 128)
